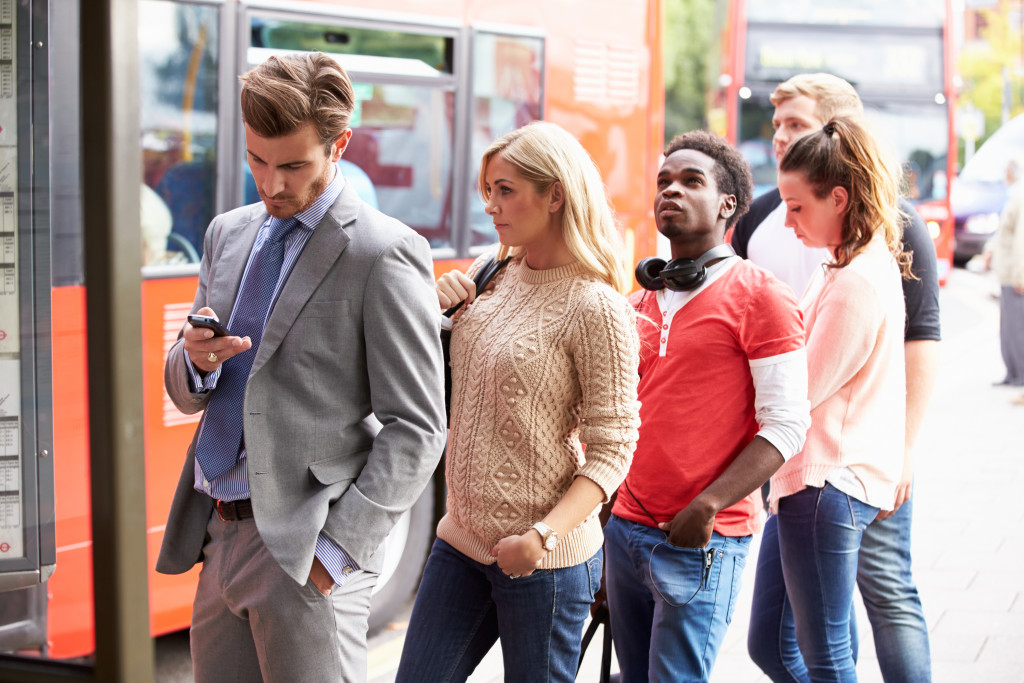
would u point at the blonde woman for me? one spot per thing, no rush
(840, 195)
(542, 363)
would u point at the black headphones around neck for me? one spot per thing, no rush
(681, 274)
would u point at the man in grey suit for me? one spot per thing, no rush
(288, 490)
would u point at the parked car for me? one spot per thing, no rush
(980, 190)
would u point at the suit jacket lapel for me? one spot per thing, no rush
(317, 258)
(237, 240)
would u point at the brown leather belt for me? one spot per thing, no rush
(234, 510)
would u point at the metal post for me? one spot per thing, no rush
(111, 174)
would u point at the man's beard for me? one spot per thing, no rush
(308, 198)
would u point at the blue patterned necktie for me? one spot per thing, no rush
(221, 439)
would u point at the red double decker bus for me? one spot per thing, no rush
(899, 57)
(435, 83)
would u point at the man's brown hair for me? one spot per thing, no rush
(283, 93)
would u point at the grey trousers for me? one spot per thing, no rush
(1011, 334)
(251, 622)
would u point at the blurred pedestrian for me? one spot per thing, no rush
(543, 362)
(723, 393)
(1007, 247)
(884, 576)
(287, 493)
(840, 194)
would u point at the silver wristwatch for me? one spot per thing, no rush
(548, 537)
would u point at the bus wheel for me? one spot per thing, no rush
(405, 553)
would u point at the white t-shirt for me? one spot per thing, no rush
(776, 248)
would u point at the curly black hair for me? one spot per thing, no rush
(732, 172)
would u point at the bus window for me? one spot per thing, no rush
(507, 94)
(402, 146)
(914, 134)
(872, 61)
(402, 140)
(433, 51)
(178, 56)
(843, 12)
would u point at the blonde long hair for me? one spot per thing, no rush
(844, 154)
(544, 153)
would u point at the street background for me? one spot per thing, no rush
(968, 541)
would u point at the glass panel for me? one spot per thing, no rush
(903, 63)
(755, 142)
(178, 59)
(431, 55)
(916, 135)
(507, 94)
(400, 156)
(847, 12)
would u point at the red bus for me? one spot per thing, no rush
(435, 83)
(899, 56)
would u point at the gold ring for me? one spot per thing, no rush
(212, 357)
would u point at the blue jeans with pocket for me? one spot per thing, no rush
(669, 606)
(463, 607)
(801, 620)
(890, 596)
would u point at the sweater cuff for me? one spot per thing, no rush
(610, 471)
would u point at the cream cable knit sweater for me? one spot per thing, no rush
(543, 361)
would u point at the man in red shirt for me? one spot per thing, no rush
(723, 389)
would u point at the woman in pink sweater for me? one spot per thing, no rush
(542, 362)
(841, 194)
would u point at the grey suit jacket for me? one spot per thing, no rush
(354, 333)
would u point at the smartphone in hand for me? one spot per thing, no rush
(210, 323)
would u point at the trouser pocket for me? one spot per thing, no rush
(679, 574)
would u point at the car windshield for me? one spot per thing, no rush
(988, 165)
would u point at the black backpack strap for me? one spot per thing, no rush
(482, 278)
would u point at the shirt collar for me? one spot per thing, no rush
(312, 216)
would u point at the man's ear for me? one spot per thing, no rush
(557, 197)
(840, 199)
(338, 146)
(728, 206)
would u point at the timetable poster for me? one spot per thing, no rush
(9, 296)
(11, 525)
(12, 545)
(8, 75)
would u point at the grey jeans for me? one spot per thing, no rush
(1011, 334)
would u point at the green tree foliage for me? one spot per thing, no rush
(689, 29)
(983, 63)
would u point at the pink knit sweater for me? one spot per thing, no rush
(854, 318)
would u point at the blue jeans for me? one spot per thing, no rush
(463, 607)
(669, 606)
(891, 599)
(800, 622)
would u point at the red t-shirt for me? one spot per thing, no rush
(697, 400)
